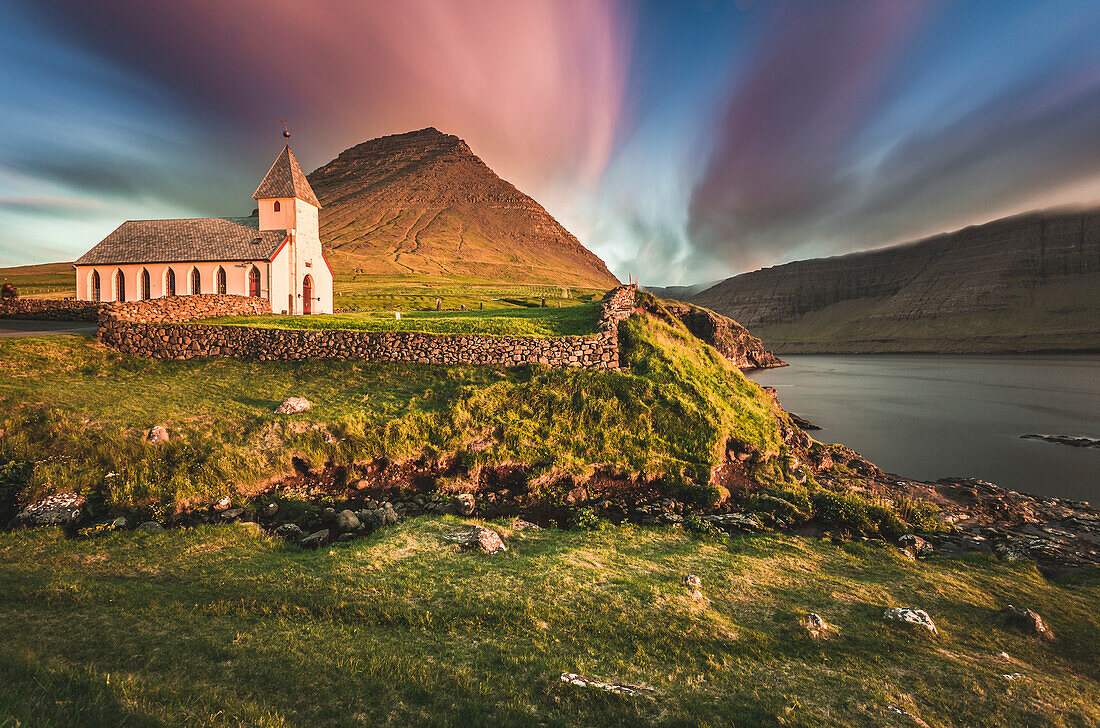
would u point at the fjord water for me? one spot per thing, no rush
(930, 416)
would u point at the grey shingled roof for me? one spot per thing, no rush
(185, 241)
(286, 179)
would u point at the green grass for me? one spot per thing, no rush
(419, 293)
(221, 626)
(526, 322)
(75, 414)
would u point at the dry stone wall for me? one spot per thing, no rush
(178, 309)
(144, 333)
(55, 309)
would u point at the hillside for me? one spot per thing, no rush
(422, 203)
(1024, 283)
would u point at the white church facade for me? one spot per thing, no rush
(275, 254)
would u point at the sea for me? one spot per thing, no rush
(926, 417)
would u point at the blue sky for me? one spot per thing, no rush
(682, 142)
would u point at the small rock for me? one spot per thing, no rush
(815, 625)
(479, 538)
(577, 495)
(618, 688)
(346, 521)
(345, 537)
(694, 585)
(293, 405)
(156, 435)
(270, 509)
(223, 503)
(120, 524)
(1030, 620)
(521, 525)
(314, 540)
(231, 514)
(465, 503)
(911, 615)
(151, 527)
(289, 532)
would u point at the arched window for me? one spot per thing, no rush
(170, 282)
(219, 281)
(95, 285)
(277, 206)
(254, 282)
(307, 295)
(196, 282)
(145, 285)
(120, 286)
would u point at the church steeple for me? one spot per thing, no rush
(286, 180)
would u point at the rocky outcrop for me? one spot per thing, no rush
(423, 202)
(730, 338)
(1010, 268)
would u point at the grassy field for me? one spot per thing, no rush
(74, 413)
(419, 293)
(222, 626)
(515, 321)
(52, 280)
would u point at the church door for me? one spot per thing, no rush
(307, 295)
(254, 282)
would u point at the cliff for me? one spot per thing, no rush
(422, 203)
(1025, 283)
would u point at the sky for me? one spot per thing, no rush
(683, 142)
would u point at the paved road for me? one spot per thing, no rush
(20, 327)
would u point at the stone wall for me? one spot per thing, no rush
(141, 333)
(178, 309)
(56, 309)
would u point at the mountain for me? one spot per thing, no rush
(422, 203)
(1024, 283)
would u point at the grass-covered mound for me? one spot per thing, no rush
(571, 320)
(74, 416)
(222, 626)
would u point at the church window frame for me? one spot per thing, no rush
(95, 286)
(120, 285)
(194, 282)
(169, 281)
(277, 207)
(220, 284)
(145, 285)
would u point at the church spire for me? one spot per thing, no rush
(286, 179)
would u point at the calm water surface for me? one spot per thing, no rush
(929, 417)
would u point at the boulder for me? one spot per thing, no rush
(156, 435)
(292, 406)
(915, 545)
(289, 532)
(478, 538)
(150, 527)
(346, 521)
(60, 509)
(911, 615)
(465, 503)
(314, 540)
(231, 514)
(1030, 620)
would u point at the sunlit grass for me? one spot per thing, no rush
(221, 626)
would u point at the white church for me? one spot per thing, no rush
(276, 255)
